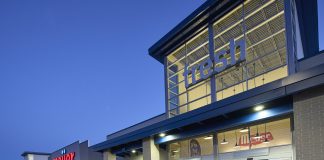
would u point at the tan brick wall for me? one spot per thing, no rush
(309, 124)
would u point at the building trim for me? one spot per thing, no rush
(137, 126)
(35, 153)
(190, 26)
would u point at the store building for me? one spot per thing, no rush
(243, 81)
(74, 151)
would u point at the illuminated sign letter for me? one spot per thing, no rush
(233, 46)
(210, 66)
(186, 74)
(206, 66)
(220, 58)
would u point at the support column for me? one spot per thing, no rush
(215, 146)
(107, 155)
(151, 151)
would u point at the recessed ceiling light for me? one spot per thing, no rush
(162, 134)
(243, 130)
(208, 137)
(259, 108)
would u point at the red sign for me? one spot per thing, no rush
(244, 139)
(69, 156)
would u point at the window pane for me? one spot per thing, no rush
(196, 148)
(191, 53)
(265, 46)
(272, 134)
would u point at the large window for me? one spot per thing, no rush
(181, 98)
(260, 25)
(192, 149)
(266, 141)
(270, 140)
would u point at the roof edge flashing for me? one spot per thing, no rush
(195, 16)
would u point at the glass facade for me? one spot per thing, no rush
(260, 24)
(273, 140)
(180, 98)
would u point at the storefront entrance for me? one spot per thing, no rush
(264, 141)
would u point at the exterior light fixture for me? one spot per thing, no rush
(208, 137)
(259, 108)
(243, 130)
(133, 151)
(266, 141)
(224, 140)
(175, 151)
(162, 134)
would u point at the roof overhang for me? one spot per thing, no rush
(212, 10)
(193, 24)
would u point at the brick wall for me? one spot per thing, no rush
(309, 124)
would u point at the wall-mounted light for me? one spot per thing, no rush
(162, 134)
(133, 151)
(258, 108)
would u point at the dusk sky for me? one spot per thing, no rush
(78, 70)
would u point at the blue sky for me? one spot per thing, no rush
(76, 70)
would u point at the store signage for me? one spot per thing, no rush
(208, 67)
(63, 151)
(68, 156)
(244, 139)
